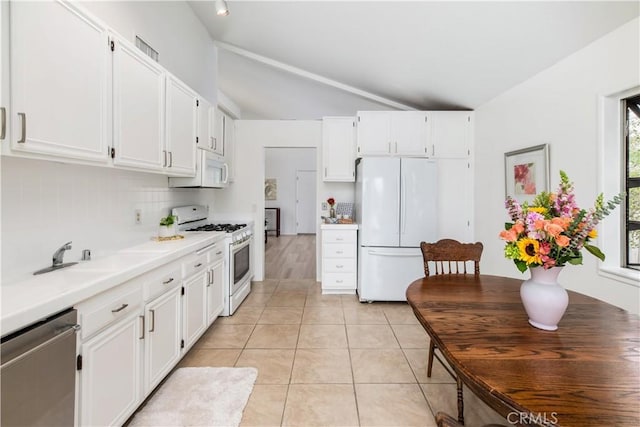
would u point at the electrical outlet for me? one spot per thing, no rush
(138, 216)
(325, 206)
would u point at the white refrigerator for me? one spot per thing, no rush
(396, 209)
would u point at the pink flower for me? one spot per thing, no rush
(509, 235)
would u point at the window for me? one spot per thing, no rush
(632, 181)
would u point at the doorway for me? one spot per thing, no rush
(305, 202)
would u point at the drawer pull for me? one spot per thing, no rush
(340, 252)
(219, 252)
(142, 318)
(122, 307)
(339, 239)
(153, 321)
(339, 281)
(198, 265)
(168, 281)
(339, 266)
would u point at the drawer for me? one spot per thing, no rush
(161, 280)
(100, 311)
(339, 281)
(338, 265)
(214, 251)
(339, 250)
(339, 236)
(193, 264)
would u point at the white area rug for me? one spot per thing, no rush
(199, 397)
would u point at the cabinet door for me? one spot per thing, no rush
(229, 145)
(373, 130)
(219, 120)
(181, 128)
(194, 309)
(162, 344)
(204, 138)
(59, 93)
(4, 76)
(138, 108)
(339, 149)
(111, 375)
(455, 200)
(451, 134)
(215, 292)
(409, 133)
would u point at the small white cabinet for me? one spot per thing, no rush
(215, 282)
(194, 300)
(339, 258)
(395, 133)
(110, 360)
(338, 149)
(59, 81)
(219, 125)
(181, 128)
(451, 134)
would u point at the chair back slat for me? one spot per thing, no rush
(450, 256)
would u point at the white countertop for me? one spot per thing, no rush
(38, 297)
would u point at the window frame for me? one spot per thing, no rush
(629, 182)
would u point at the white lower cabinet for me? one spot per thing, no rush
(215, 292)
(339, 258)
(162, 337)
(194, 300)
(111, 374)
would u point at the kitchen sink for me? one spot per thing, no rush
(54, 268)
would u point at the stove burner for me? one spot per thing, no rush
(229, 228)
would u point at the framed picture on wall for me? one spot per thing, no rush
(527, 172)
(270, 189)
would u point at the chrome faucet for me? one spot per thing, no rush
(59, 254)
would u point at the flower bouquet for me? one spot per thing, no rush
(552, 230)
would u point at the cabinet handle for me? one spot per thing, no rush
(339, 239)
(396, 147)
(122, 307)
(197, 265)
(142, 318)
(325, 172)
(208, 278)
(23, 120)
(210, 142)
(339, 252)
(170, 158)
(215, 143)
(212, 277)
(218, 253)
(3, 126)
(168, 281)
(153, 320)
(389, 151)
(433, 149)
(164, 153)
(339, 266)
(339, 281)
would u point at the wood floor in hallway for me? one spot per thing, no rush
(290, 257)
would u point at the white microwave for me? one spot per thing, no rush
(210, 173)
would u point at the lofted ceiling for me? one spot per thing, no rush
(309, 59)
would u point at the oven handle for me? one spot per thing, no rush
(247, 242)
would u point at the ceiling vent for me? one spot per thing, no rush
(147, 49)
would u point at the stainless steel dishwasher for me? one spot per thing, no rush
(37, 373)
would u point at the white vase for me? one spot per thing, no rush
(544, 299)
(166, 231)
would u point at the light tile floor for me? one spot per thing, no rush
(329, 360)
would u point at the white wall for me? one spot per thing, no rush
(560, 107)
(45, 204)
(171, 28)
(244, 199)
(282, 164)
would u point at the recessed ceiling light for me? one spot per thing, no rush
(221, 8)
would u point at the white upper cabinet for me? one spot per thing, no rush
(138, 108)
(338, 149)
(181, 121)
(59, 81)
(229, 146)
(395, 133)
(204, 138)
(451, 134)
(219, 125)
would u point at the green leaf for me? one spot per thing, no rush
(522, 266)
(508, 225)
(595, 252)
(575, 261)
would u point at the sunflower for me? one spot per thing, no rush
(529, 251)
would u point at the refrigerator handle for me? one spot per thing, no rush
(403, 211)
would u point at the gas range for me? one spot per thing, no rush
(194, 219)
(227, 228)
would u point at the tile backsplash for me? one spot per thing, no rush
(45, 204)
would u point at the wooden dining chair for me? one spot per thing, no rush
(448, 256)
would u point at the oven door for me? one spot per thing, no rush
(240, 265)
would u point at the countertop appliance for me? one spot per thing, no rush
(238, 250)
(38, 373)
(396, 209)
(210, 173)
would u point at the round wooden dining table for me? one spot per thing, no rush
(586, 373)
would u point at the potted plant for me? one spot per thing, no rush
(167, 227)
